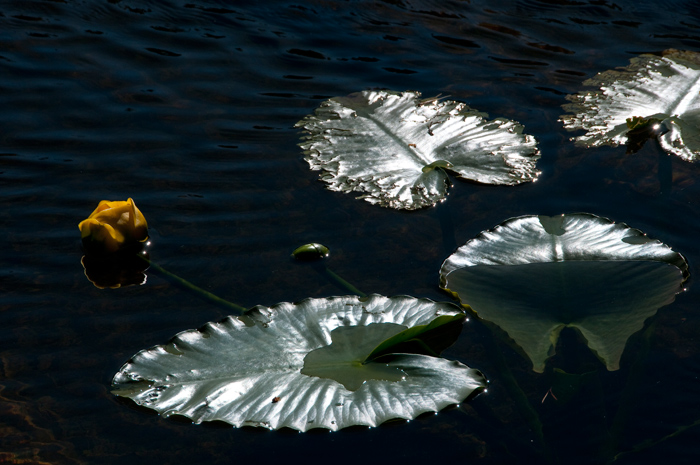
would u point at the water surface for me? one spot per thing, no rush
(189, 109)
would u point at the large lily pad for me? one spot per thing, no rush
(395, 148)
(653, 95)
(535, 275)
(314, 364)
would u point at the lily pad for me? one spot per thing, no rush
(395, 148)
(313, 364)
(661, 92)
(534, 275)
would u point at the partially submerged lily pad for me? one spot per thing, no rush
(314, 364)
(395, 148)
(535, 275)
(656, 96)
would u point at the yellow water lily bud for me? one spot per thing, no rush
(114, 225)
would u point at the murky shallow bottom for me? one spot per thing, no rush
(189, 109)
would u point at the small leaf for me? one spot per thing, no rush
(395, 148)
(444, 164)
(344, 360)
(311, 252)
(420, 334)
(637, 123)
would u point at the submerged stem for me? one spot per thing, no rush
(198, 290)
(649, 443)
(513, 389)
(342, 283)
(314, 253)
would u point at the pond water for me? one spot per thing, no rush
(189, 108)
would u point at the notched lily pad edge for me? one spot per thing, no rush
(667, 127)
(422, 198)
(634, 236)
(254, 317)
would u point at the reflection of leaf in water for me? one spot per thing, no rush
(662, 89)
(533, 276)
(302, 366)
(395, 148)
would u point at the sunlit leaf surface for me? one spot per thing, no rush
(301, 366)
(535, 275)
(664, 90)
(395, 148)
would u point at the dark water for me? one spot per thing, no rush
(189, 108)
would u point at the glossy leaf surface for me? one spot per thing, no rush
(664, 90)
(535, 275)
(395, 148)
(310, 252)
(300, 366)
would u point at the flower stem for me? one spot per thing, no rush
(198, 290)
(336, 279)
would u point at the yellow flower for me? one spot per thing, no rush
(114, 225)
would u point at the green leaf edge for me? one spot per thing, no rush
(413, 333)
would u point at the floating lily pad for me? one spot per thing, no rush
(314, 364)
(535, 275)
(395, 148)
(653, 96)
